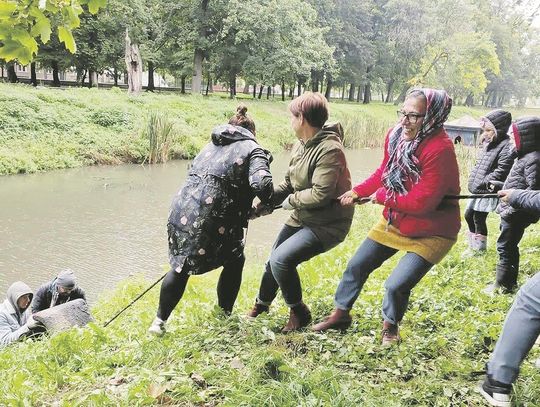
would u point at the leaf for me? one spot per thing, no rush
(26, 40)
(6, 9)
(95, 5)
(43, 29)
(156, 390)
(14, 50)
(66, 36)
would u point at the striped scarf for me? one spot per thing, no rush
(402, 164)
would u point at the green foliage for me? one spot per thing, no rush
(21, 22)
(159, 132)
(448, 333)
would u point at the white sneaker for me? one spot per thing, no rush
(158, 327)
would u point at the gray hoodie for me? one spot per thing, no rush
(12, 318)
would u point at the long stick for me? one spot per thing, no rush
(134, 301)
(471, 196)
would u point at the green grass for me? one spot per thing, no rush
(45, 128)
(207, 360)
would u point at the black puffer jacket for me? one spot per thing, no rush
(525, 173)
(208, 214)
(495, 158)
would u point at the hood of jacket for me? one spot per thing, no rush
(527, 134)
(501, 120)
(328, 131)
(227, 134)
(16, 291)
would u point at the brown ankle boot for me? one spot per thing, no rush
(339, 319)
(299, 317)
(257, 310)
(390, 334)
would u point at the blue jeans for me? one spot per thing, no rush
(293, 246)
(520, 330)
(370, 256)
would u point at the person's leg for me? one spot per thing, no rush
(507, 247)
(409, 271)
(469, 218)
(369, 256)
(269, 286)
(520, 330)
(172, 290)
(299, 247)
(229, 282)
(480, 222)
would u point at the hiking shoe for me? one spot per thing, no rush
(299, 317)
(257, 310)
(339, 319)
(390, 334)
(496, 393)
(158, 327)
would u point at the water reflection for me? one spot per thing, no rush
(109, 222)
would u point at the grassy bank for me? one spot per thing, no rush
(45, 128)
(208, 360)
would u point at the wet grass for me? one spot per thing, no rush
(207, 359)
(45, 129)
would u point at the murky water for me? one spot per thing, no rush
(106, 223)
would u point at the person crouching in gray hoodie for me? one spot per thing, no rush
(15, 316)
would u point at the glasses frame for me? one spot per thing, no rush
(411, 117)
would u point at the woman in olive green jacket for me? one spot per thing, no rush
(317, 175)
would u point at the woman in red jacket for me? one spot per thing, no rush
(419, 168)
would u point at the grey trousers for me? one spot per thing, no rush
(370, 256)
(520, 330)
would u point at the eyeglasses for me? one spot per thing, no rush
(411, 117)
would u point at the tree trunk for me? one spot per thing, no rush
(254, 90)
(246, 89)
(151, 87)
(134, 66)
(367, 93)
(401, 97)
(359, 93)
(56, 78)
(268, 92)
(469, 101)
(291, 91)
(351, 92)
(196, 81)
(233, 85)
(389, 90)
(282, 90)
(343, 92)
(329, 84)
(125, 77)
(299, 92)
(314, 81)
(115, 73)
(33, 76)
(183, 84)
(12, 76)
(261, 91)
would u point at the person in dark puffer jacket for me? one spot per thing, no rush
(487, 176)
(525, 174)
(209, 213)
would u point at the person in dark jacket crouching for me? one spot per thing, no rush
(488, 175)
(208, 216)
(522, 324)
(60, 290)
(525, 174)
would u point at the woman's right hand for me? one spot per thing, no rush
(348, 198)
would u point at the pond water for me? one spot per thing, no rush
(107, 223)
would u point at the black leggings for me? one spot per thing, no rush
(174, 285)
(476, 221)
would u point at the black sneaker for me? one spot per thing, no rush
(496, 393)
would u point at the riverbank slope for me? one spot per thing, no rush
(49, 128)
(209, 360)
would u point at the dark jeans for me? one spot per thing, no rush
(370, 256)
(292, 247)
(507, 247)
(174, 285)
(476, 221)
